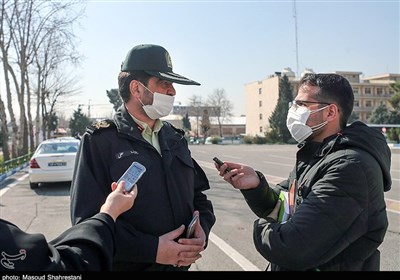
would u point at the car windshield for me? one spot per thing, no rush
(51, 148)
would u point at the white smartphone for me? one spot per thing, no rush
(190, 229)
(132, 175)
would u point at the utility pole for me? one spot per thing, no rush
(297, 45)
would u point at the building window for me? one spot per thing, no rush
(260, 103)
(355, 90)
(379, 91)
(368, 103)
(367, 90)
(260, 128)
(356, 103)
(260, 116)
(260, 91)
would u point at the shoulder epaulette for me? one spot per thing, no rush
(99, 125)
(180, 131)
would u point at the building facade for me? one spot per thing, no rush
(262, 96)
(230, 127)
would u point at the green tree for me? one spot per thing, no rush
(114, 98)
(389, 115)
(394, 133)
(277, 120)
(78, 122)
(381, 115)
(186, 122)
(394, 100)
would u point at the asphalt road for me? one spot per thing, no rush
(231, 248)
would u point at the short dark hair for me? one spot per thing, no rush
(124, 80)
(334, 88)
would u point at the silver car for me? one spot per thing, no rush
(53, 161)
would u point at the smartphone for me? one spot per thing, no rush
(132, 175)
(190, 229)
(219, 162)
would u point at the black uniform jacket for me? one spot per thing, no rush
(340, 218)
(168, 193)
(88, 246)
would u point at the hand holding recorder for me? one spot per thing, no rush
(132, 175)
(238, 175)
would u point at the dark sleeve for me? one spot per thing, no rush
(89, 245)
(84, 247)
(201, 203)
(261, 199)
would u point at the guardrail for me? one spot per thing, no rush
(11, 166)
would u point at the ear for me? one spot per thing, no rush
(134, 87)
(333, 112)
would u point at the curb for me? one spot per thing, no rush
(13, 171)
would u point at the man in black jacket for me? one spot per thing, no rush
(335, 194)
(88, 246)
(152, 235)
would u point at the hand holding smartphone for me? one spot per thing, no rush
(220, 162)
(132, 175)
(191, 226)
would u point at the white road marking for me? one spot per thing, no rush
(233, 254)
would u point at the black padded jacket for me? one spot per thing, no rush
(340, 214)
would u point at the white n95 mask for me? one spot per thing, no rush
(161, 107)
(296, 122)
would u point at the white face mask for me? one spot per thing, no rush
(296, 122)
(161, 107)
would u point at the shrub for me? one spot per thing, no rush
(259, 140)
(248, 139)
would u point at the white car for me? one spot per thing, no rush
(53, 161)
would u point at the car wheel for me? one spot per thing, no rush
(34, 185)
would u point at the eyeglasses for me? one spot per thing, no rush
(303, 103)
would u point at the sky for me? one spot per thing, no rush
(227, 44)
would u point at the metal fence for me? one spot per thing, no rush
(9, 165)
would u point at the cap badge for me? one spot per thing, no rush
(168, 59)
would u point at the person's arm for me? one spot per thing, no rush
(253, 185)
(83, 247)
(261, 199)
(116, 202)
(90, 245)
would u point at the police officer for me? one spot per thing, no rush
(152, 235)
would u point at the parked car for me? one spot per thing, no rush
(213, 140)
(53, 161)
(194, 141)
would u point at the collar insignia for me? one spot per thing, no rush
(101, 124)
